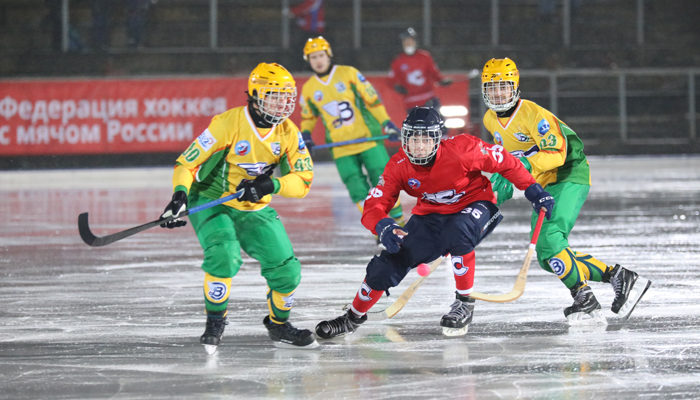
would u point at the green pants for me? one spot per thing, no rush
(223, 231)
(350, 169)
(554, 236)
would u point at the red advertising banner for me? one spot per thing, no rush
(117, 116)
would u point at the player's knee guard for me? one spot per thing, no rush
(383, 274)
(279, 304)
(216, 292)
(222, 259)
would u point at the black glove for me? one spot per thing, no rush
(445, 82)
(177, 205)
(539, 199)
(385, 230)
(257, 189)
(308, 141)
(392, 130)
(400, 89)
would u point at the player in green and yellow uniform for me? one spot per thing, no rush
(349, 108)
(239, 151)
(553, 153)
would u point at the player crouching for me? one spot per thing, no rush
(454, 212)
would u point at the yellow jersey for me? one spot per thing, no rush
(553, 150)
(348, 106)
(232, 148)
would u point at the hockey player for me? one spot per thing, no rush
(349, 108)
(240, 149)
(414, 74)
(553, 153)
(453, 213)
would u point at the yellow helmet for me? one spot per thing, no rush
(274, 91)
(317, 44)
(500, 84)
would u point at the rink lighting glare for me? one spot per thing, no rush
(454, 123)
(453, 111)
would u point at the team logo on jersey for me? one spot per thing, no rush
(404, 67)
(521, 137)
(413, 183)
(543, 127)
(364, 291)
(497, 138)
(340, 87)
(206, 140)
(276, 148)
(361, 77)
(443, 197)
(318, 95)
(255, 169)
(557, 266)
(242, 147)
(458, 266)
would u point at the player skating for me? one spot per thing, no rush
(453, 213)
(553, 153)
(349, 108)
(414, 74)
(240, 149)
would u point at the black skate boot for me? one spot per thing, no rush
(629, 288)
(216, 322)
(287, 336)
(343, 325)
(456, 321)
(586, 308)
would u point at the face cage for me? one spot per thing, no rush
(269, 100)
(503, 85)
(433, 132)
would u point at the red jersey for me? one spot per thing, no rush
(418, 74)
(452, 182)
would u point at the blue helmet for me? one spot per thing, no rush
(421, 133)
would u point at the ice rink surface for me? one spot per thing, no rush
(123, 321)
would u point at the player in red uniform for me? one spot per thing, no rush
(453, 213)
(414, 74)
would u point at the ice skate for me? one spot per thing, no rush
(341, 326)
(456, 321)
(287, 336)
(586, 309)
(629, 288)
(211, 337)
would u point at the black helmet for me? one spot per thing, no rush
(427, 124)
(408, 33)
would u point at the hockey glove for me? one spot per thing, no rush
(502, 187)
(400, 89)
(539, 199)
(386, 230)
(391, 130)
(254, 190)
(308, 141)
(177, 205)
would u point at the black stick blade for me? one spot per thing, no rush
(84, 228)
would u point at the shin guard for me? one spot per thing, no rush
(216, 292)
(279, 305)
(463, 269)
(365, 298)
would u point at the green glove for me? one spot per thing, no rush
(502, 187)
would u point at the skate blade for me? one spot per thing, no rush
(210, 348)
(640, 287)
(593, 318)
(452, 332)
(283, 345)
